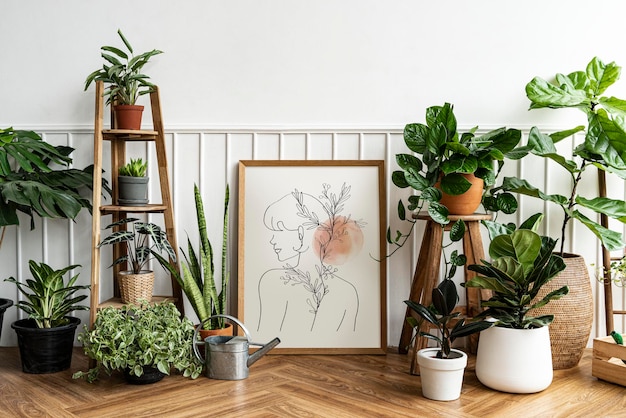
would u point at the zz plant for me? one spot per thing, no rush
(48, 299)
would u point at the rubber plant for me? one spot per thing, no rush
(31, 183)
(604, 145)
(441, 315)
(198, 279)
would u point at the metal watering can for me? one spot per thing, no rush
(227, 357)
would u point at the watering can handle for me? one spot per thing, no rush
(231, 318)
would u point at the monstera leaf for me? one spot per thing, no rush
(29, 184)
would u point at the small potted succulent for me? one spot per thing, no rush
(144, 241)
(133, 183)
(46, 337)
(144, 342)
(442, 367)
(122, 72)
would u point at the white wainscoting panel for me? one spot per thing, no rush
(209, 158)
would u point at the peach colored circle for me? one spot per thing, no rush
(346, 242)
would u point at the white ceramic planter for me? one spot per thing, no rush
(514, 360)
(442, 379)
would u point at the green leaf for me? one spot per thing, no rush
(515, 185)
(602, 76)
(543, 94)
(455, 184)
(457, 231)
(611, 240)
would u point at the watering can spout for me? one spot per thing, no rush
(262, 351)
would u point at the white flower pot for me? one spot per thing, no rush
(442, 379)
(514, 360)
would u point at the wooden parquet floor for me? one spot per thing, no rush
(298, 386)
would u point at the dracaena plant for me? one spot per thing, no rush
(30, 182)
(48, 299)
(439, 153)
(144, 241)
(198, 279)
(522, 263)
(604, 145)
(122, 72)
(441, 315)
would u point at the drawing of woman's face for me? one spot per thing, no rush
(287, 243)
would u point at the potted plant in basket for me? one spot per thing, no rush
(602, 148)
(515, 355)
(143, 241)
(122, 71)
(198, 280)
(145, 342)
(450, 171)
(442, 368)
(133, 183)
(46, 337)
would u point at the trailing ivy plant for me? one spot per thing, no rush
(136, 336)
(604, 146)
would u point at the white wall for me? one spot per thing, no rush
(313, 77)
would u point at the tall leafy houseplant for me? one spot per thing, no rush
(122, 71)
(442, 155)
(604, 145)
(515, 355)
(30, 183)
(198, 277)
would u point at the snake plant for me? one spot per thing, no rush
(198, 270)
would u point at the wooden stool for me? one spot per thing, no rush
(426, 276)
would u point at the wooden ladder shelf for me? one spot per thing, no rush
(118, 139)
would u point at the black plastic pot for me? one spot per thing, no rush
(4, 304)
(45, 350)
(150, 375)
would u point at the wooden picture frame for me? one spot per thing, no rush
(311, 255)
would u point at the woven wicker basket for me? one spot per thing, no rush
(134, 287)
(573, 313)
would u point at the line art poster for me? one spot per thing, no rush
(310, 245)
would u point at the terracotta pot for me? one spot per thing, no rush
(128, 116)
(466, 203)
(573, 313)
(204, 333)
